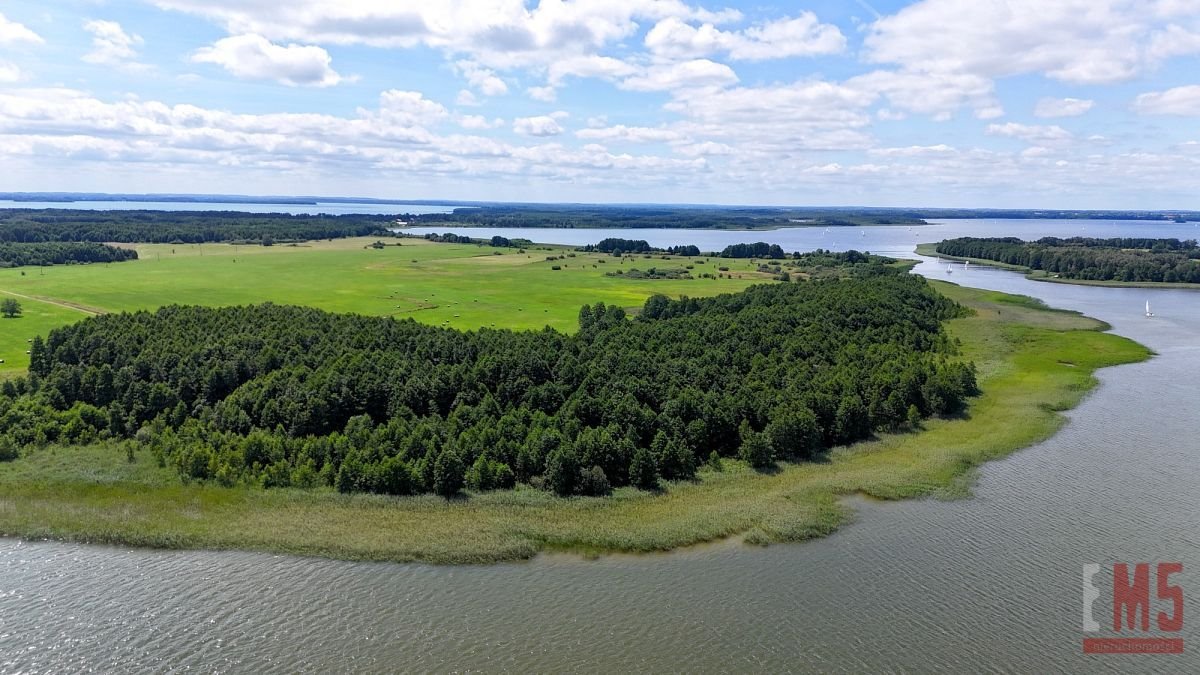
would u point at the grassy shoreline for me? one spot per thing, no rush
(1033, 363)
(1038, 275)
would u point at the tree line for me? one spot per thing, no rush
(1086, 258)
(617, 245)
(759, 249)
(183, 227)
(275, 395)
(20, 254)
(683, 217)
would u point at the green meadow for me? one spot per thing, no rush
(1033, 363)
(460, 285)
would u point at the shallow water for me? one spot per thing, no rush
(987, 584)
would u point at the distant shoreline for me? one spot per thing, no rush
(910, 213)
(1038, 275)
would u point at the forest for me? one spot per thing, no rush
(758, 249)
(683, 217)
(180, 227)
(617, 245)
(21, 254)
(270, 396)
(1087, 258)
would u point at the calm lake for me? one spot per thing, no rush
(987, 584)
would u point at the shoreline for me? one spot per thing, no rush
(930, 250)
(1033, 363)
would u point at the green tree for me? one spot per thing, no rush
(562, 470)
(794, 432)
(643, 472)
(914, 416)
(448, 473)
(756, 447)
(10, 308)
(8, 449)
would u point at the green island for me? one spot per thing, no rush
(1131, 262)
(984, 374)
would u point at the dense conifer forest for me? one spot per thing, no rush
(13, 254)
(271, 395)
(191, 227)
(1086, 258)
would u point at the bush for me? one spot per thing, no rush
(8, 450)
(593, 483)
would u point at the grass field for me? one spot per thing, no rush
(1032, 363)
(1039, 275)
(460, 285)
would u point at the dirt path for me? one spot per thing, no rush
(59, 303)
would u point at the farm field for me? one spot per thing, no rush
(463, 286)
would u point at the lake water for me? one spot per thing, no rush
(987, 584)
(332, 208)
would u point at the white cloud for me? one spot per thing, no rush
(498, 34)
(705, 149)
(694, 74)
(605, 67)
(803, 35)
(1076, 41)
(935, 94)
(9, 72)
(479, 122)
(540, 125)
(1030, 133)
(111, 45)
(913, 151)
(633, 134)
(253, 57)
(1062, 107)
(483, 79)
(1183, 100)
(395, 137)
(408, 109)
(543, 94)
(12, 32)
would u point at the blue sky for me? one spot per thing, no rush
(999, 103)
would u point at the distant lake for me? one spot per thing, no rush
(987, 584)
(331, 208)
(875, 238)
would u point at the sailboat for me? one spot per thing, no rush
(949, 269)
(1148, 312)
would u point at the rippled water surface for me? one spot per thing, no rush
(988, 584)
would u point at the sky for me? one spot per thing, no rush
(984, 103)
